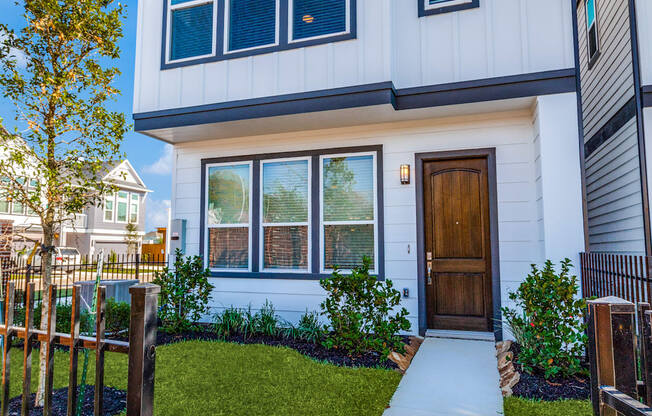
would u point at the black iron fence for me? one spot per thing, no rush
(625, 276)
(70, 270)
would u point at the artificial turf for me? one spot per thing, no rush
(521, 407)
(216, 378)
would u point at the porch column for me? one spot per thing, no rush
(560, 185)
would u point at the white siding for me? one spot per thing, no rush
(614, 195)
(502, 37)
(644, 24)
(513, 136)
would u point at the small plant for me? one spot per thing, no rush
(230, 322)
(548, 321)
(185, 293)
(359, 309)
(309, 328)
(266, 321)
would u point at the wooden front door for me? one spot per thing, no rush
(458, 244)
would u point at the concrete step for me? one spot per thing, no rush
(464, 335)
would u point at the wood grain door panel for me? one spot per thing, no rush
(458, 244)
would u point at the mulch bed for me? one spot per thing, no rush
(115, 401)
(535, 386)
(309, 349)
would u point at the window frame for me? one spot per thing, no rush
(117, 206)
(592, 58)
(315, 271)
(323, 223)
(290, 32)
(220, 34)
(112, 198)
(262, 224)
(169, 9)
(131, 203)
(206, 227)
(227, 28)
(445, 6)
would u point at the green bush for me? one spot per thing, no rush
(185, 293)
(309, 329)
(359, 309)
(548, 321)
(118, 315)
(266, 321)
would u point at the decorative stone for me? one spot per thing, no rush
(510, 380)
(503, 347)
(506, 370)
(505, 358)
(507, 391)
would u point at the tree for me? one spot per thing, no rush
(57, 72)
(132, 238)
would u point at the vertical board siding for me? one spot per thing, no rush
(520, 240)
(644, 26)
(609, 84)
(501, 37)
(613, 185)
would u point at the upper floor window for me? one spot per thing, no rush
(251, 23)
(317, 18)
(592, 31)
(133, 208)
(109, 208)
(191, 29)
(429, 7)
(122, 204)
(213, 30)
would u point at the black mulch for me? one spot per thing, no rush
(316, 351)
(535, 386)
(115, 401)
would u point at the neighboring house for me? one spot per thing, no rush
(615, 55)
(438, 138)
(98, 227)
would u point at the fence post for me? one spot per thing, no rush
(137, 266)
(612, 353)
(142, 349)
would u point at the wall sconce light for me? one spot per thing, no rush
(405, 174)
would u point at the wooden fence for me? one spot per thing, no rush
(627, 277)
(140, 348)
(614, 351)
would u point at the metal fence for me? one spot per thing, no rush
(68, 271)
(627, 277)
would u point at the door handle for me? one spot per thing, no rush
(429, 273)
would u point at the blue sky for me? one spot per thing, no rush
(149, 157)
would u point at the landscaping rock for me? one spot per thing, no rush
(502, 347)
(403, 360)
(504, 359)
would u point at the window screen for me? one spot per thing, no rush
(252, 23)
(348, 212)
(191, 32)
(285, 215)
(312, 18)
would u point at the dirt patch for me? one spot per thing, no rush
(115, 401)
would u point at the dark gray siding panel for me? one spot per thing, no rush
(609, 84)
(613, 182)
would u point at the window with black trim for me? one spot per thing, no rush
(430, 7)
(593, 41)
(211, 30)
(298, 214)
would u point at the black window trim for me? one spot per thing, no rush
(284, 43)
(423, 11)
(315, 220)
(594, 58)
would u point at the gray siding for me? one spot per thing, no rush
(613, 182)
(609, 84)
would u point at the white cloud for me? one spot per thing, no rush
(19, 56)
(163, 166)
(156, 213)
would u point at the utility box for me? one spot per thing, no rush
(177, 236)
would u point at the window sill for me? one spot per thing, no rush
(423, 11)
(593, 60)
(273, 276)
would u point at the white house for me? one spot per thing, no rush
(440, 138)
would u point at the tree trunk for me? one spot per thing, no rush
(46, 276)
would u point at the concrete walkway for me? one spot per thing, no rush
(450, 377)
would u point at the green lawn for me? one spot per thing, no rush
(521, 407)
(214, 378)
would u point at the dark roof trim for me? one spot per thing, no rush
(615, 123)
(490, 89)
(646, 94)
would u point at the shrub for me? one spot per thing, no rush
(359, 309)
(309, 328)
(64, 315)
(230, 322)
(118, 315)
(185, 293)
(266, 321)
(549, 326)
